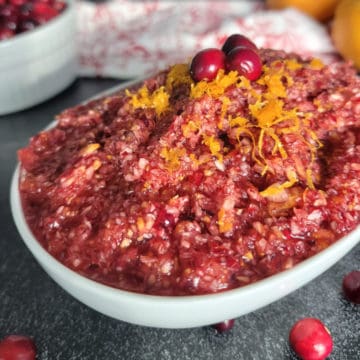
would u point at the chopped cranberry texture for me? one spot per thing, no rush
(177, 187)
(18, 16)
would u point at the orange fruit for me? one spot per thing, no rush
(345, 30)
(319, 9)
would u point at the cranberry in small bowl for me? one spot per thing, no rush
(37, 51)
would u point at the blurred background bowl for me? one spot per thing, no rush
(38, 64)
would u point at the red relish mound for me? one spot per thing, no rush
(176, 187)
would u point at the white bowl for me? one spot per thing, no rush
(39, 63)
(182, 311)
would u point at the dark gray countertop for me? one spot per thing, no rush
(32, 304)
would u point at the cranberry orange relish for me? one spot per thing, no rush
(178, 187)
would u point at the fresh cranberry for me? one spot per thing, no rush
(26, 25)
(8, 10)
(43, 12)
(9, 16)
(237, 40)
(351, 286)
(6, 33)
(17, 2)
(26, 9)
(310, 339)
(224, 326)
(206, 64)
(11, 22)
(17, 347)
(59, 6)
(245, 61)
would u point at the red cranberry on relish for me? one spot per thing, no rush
(237, 40)
(351, 286)
(17, 347)
(206, 64)
(245, 61)
(310, 339)
(224, 326)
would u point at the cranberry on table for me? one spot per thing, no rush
(310, 339)
(206, 64)
(224, 326)
(351, 286)
(17, 347)
(245, 61)
(237, 40)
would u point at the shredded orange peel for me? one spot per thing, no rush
(172, 157)
(158, 100)
(267, 118)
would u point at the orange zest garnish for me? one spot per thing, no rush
(214, 146)
(172, 157)
(158, 100)
(266, 119)
(178, 74)
(217, 87)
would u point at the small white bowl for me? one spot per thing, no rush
(181, 311)
(38, 64)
